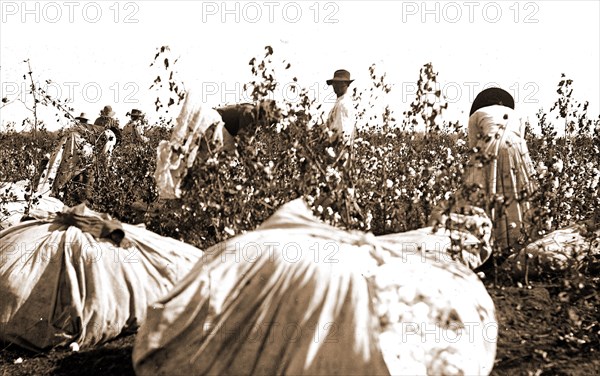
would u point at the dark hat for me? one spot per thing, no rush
(340, 75)
(135, 112)
(82, 118)
(107, 111)
(492, 96)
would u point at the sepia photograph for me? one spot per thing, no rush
(299, 187)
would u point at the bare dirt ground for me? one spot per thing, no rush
(542, 331)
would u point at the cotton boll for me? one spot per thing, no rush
(407, 293)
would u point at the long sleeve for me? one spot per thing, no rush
(474, 131)
(341, 119)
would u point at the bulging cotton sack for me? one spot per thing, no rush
(78, 276)
(297, 296)
(557, 252)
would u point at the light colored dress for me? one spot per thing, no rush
(188, 139)
(503, 169)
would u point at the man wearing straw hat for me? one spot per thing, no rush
(108, 121)
(136, 126)
(341, 118)
(82, 124)
(82, 119)
(106, 118)
(342, 121)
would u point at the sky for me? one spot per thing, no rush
(99, 52)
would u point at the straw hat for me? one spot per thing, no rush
(340, 75)
(107, 111)
(82, 118)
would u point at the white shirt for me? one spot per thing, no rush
(341, 118)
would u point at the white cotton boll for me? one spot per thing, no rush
(330, 152)
(380, 310)
(555, 183)
(369, 219)
(74, 346)
(88, 150)
(380, 306)
(449, 156)
(558, 165)
(395, 311)
(595, 180)
(426, 289)
(407, 293)
(421, 312)
(384, 297)
(569, 193)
